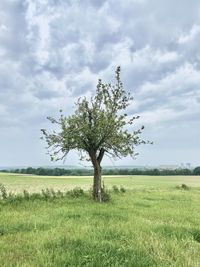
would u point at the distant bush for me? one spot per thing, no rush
(196, 171)
(183, 187)
(122, 189)
(115, 189)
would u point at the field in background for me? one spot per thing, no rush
(32, 183)
(142, 227)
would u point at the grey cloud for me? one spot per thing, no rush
(147, 27)
(13, 18)
(45, 93)
(172, 98)
(54, 51)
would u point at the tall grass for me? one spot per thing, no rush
(137, 228)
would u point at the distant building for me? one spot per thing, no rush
(188, 165)
(168, 167)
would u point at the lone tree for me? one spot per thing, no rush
(97, 127)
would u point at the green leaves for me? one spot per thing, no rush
(97, 126)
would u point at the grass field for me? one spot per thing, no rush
(19, 182)
(152, 224)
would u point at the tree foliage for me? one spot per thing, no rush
(197, 171)
(97, 127)
(106, 171)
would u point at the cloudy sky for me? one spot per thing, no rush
(53, 51)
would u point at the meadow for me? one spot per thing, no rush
(154, 223)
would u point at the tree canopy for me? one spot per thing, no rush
(97, 127)
(196, 171)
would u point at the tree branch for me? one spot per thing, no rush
(101, 154)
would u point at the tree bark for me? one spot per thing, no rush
(97, 183)
(97, 180)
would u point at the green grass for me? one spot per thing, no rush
(152, 224)
(32, 183)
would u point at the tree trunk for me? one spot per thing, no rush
(97, 183)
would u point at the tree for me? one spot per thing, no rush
(97, 127)
(196, 171)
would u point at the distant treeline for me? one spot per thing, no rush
(83, 172)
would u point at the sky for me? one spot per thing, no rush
(54, 51)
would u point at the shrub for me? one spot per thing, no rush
(115, 189)
(59, 194)
(46, 193)
(105, 194)
(35, 196)
(3, 191)
(76, 192)
(122, 189)
(185, 187)
(26, 194)
(53, 193)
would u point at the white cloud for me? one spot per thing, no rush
(173, 99)
(193, 33)
(53, 51)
